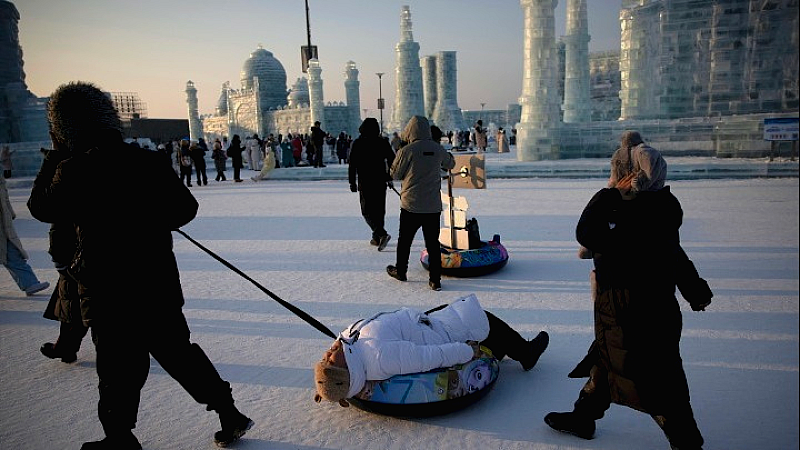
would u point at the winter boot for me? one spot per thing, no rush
(125, 441)
(572, 423)
(395, 273)
(435, 285)
(383, 241)
(234, 425)
(536, 347)
(51, 351)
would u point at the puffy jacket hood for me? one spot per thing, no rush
(417, 129)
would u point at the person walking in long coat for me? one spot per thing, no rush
(127, 235)
(235, 154)
(635, 358)
(370, 158)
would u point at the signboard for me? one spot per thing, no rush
(307, 54)
(469, 172)
(782, 129)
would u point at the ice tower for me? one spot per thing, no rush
(315, 93)
(537, 132)
(195, 126)
(429, 82)
(577, 102)
(351, 85)
(446, 114)
(408, 80)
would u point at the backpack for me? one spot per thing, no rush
(474, 234)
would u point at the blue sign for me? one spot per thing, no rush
(782, 129)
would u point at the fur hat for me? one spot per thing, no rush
(80, 113)
(333, 383)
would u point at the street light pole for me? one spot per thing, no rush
(481, 116)
(380, 97)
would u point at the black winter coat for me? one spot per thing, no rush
(638, 263)
(370, 159)
(124, 261)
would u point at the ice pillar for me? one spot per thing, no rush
(408, 80)
(429, 82)
(315, 92)
(577, 106)
(537, 132)
(195, 126)
(446, 114)
(351, 86)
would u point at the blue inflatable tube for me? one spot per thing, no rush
(490, 257)
(433, 393)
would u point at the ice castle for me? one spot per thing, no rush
(263, 105)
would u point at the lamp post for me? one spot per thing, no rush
(380, 97)
(481, 116)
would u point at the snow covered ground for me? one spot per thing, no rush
(306, 241)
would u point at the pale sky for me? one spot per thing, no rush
(153, 47)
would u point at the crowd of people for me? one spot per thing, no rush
(634, 359)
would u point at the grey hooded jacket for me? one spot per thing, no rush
(419, 165)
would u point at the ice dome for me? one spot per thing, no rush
(299, 96)
(271, 77)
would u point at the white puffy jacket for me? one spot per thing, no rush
(409, 341)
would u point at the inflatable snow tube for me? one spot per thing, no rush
(433, 393)
(489, 257)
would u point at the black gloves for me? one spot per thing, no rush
(700, 296)
(353, 187)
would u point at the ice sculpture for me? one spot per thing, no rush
(408, 79)
(537, 132)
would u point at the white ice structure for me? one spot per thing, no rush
(408, 80)
(538, 130)
(352, 89)
(446, 114)
(429, 83)
(263, 105)
(195, 126)
(577, 104)
(315, 92)
(685, 58)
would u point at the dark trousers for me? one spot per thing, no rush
(373, 209)
(677, 421)
(237, 168)
(186, 173)
(504, 340)
(318, 155)
(200, 167)
(409, 224)
(123, 363)
(70, 336)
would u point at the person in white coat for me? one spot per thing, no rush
(411, 341)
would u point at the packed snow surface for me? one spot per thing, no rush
(307, 243)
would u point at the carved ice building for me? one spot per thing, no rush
(686, 58)
(22, 114)
(409, 100)
(538, 130)
(263, 105)
(446, 113)
(577, 107)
